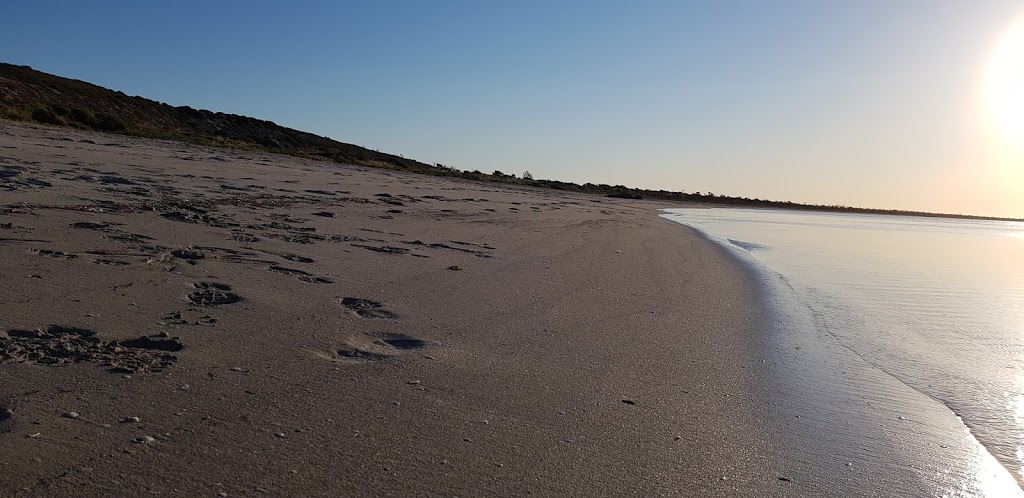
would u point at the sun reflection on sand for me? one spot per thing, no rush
(990, 477)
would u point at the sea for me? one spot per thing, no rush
(935, 304)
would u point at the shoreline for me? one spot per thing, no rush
(828, 389)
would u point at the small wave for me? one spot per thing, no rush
(750, 246)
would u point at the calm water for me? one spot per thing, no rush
(936, 303)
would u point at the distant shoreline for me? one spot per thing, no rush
(788, 206)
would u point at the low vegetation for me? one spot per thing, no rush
(34, 96)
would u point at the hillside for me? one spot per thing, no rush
(30, 95)
(35, 96)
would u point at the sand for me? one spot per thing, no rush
(181, 320)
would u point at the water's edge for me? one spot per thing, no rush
(850, 419)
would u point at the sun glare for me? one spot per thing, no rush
(1004, 90)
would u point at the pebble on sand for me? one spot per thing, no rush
(144, 439)
(71, 415)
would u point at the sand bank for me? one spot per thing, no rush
(189, 321)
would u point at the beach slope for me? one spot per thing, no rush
(182, 320)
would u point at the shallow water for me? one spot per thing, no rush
(936, 303)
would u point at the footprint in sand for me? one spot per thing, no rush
(56, 345)
(110, 262)
(297, 238)
(17, 178)
(129, 238)
(185, 318)
(212, 294)
(315, 280)
(374, 347)
(244, 237)
(114, 180)
(438, 245)
(99, 227)
(321, 192)
(6, 419)
(196, 217)
(287, 271)
(301, 275)
(296, 258)
(367, 308)
(190, 256)
(383, 249)
(389, 199)
(54, 254)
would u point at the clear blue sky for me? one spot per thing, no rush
(862, 102)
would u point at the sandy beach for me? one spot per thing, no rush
(319, 329)
(180, 320)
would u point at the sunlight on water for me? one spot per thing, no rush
(936, 303)
(992, 479)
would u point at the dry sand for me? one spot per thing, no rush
(203, 322)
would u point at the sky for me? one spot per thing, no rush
(898, 104)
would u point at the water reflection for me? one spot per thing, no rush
(936, 303)
(990, 478)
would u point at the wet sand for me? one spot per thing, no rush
(180, 320)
